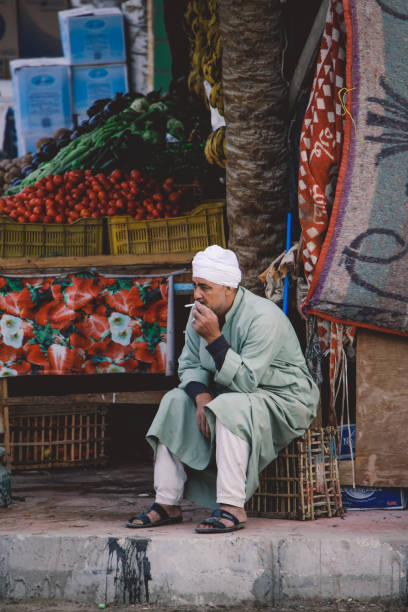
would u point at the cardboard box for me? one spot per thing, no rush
(344, 436)
(42, 99)
(6, 105)
(38, 27)
(362, 498)
(93, 36)
(90, 83)
(8, 36)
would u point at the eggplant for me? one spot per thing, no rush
(38, 158)
(84, 125)
(97, 106)
(27, 170)
(96, 121)
(48, 150)
(62, 142)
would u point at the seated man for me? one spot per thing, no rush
(245, 393)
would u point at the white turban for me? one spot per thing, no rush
(217, 265)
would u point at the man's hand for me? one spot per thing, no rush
(201, 400)
(205, 322)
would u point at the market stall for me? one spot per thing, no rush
(96, 230)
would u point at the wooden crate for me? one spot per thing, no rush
(303, 481)
(57, 436)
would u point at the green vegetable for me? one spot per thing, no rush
(158, 107)
(151, 136)
(140, 105)
(175, 128)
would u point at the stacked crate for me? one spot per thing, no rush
(303, 481)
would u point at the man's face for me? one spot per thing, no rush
(215, 296)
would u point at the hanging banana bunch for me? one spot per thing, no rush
(215, 147)
(205, 78)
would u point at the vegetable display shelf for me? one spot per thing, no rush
(81, 238)
(188, 233)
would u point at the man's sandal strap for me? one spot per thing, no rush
(145, 518)
(213, 522)
(217, 514)
(160, 511)
(225, 515)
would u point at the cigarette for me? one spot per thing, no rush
(188, 305)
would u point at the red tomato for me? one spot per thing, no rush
(174, 197)
(59, 219)
(115, 176)
(111, 211)
(34, 218)
(21, 219)
(135, 175)
(57, 179)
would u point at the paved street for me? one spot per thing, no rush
(336, 606)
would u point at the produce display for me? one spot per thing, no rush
(131, 131)
(64, 198)
(12, 170)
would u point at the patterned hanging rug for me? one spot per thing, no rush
(361, 274)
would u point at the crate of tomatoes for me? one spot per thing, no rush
(190, 232)
(63, 215)
(52, 218)
(166, 218)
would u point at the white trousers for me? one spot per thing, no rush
(232, 455)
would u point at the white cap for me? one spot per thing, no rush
(217, 265)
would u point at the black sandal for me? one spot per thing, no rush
(146, 522)
(217, 526)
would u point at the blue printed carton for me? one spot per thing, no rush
(42, 99)
(363, 498)
(90, 83)
(345, 437)
(92, 36)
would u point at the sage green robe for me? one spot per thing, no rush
(263, 393)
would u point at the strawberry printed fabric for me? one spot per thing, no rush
(82, 324)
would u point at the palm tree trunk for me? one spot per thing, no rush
(255, 114)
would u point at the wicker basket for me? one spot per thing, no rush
(82, 238)
(61, 436)
(191, 232)
(303, 481)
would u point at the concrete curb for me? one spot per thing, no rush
(180, 568)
